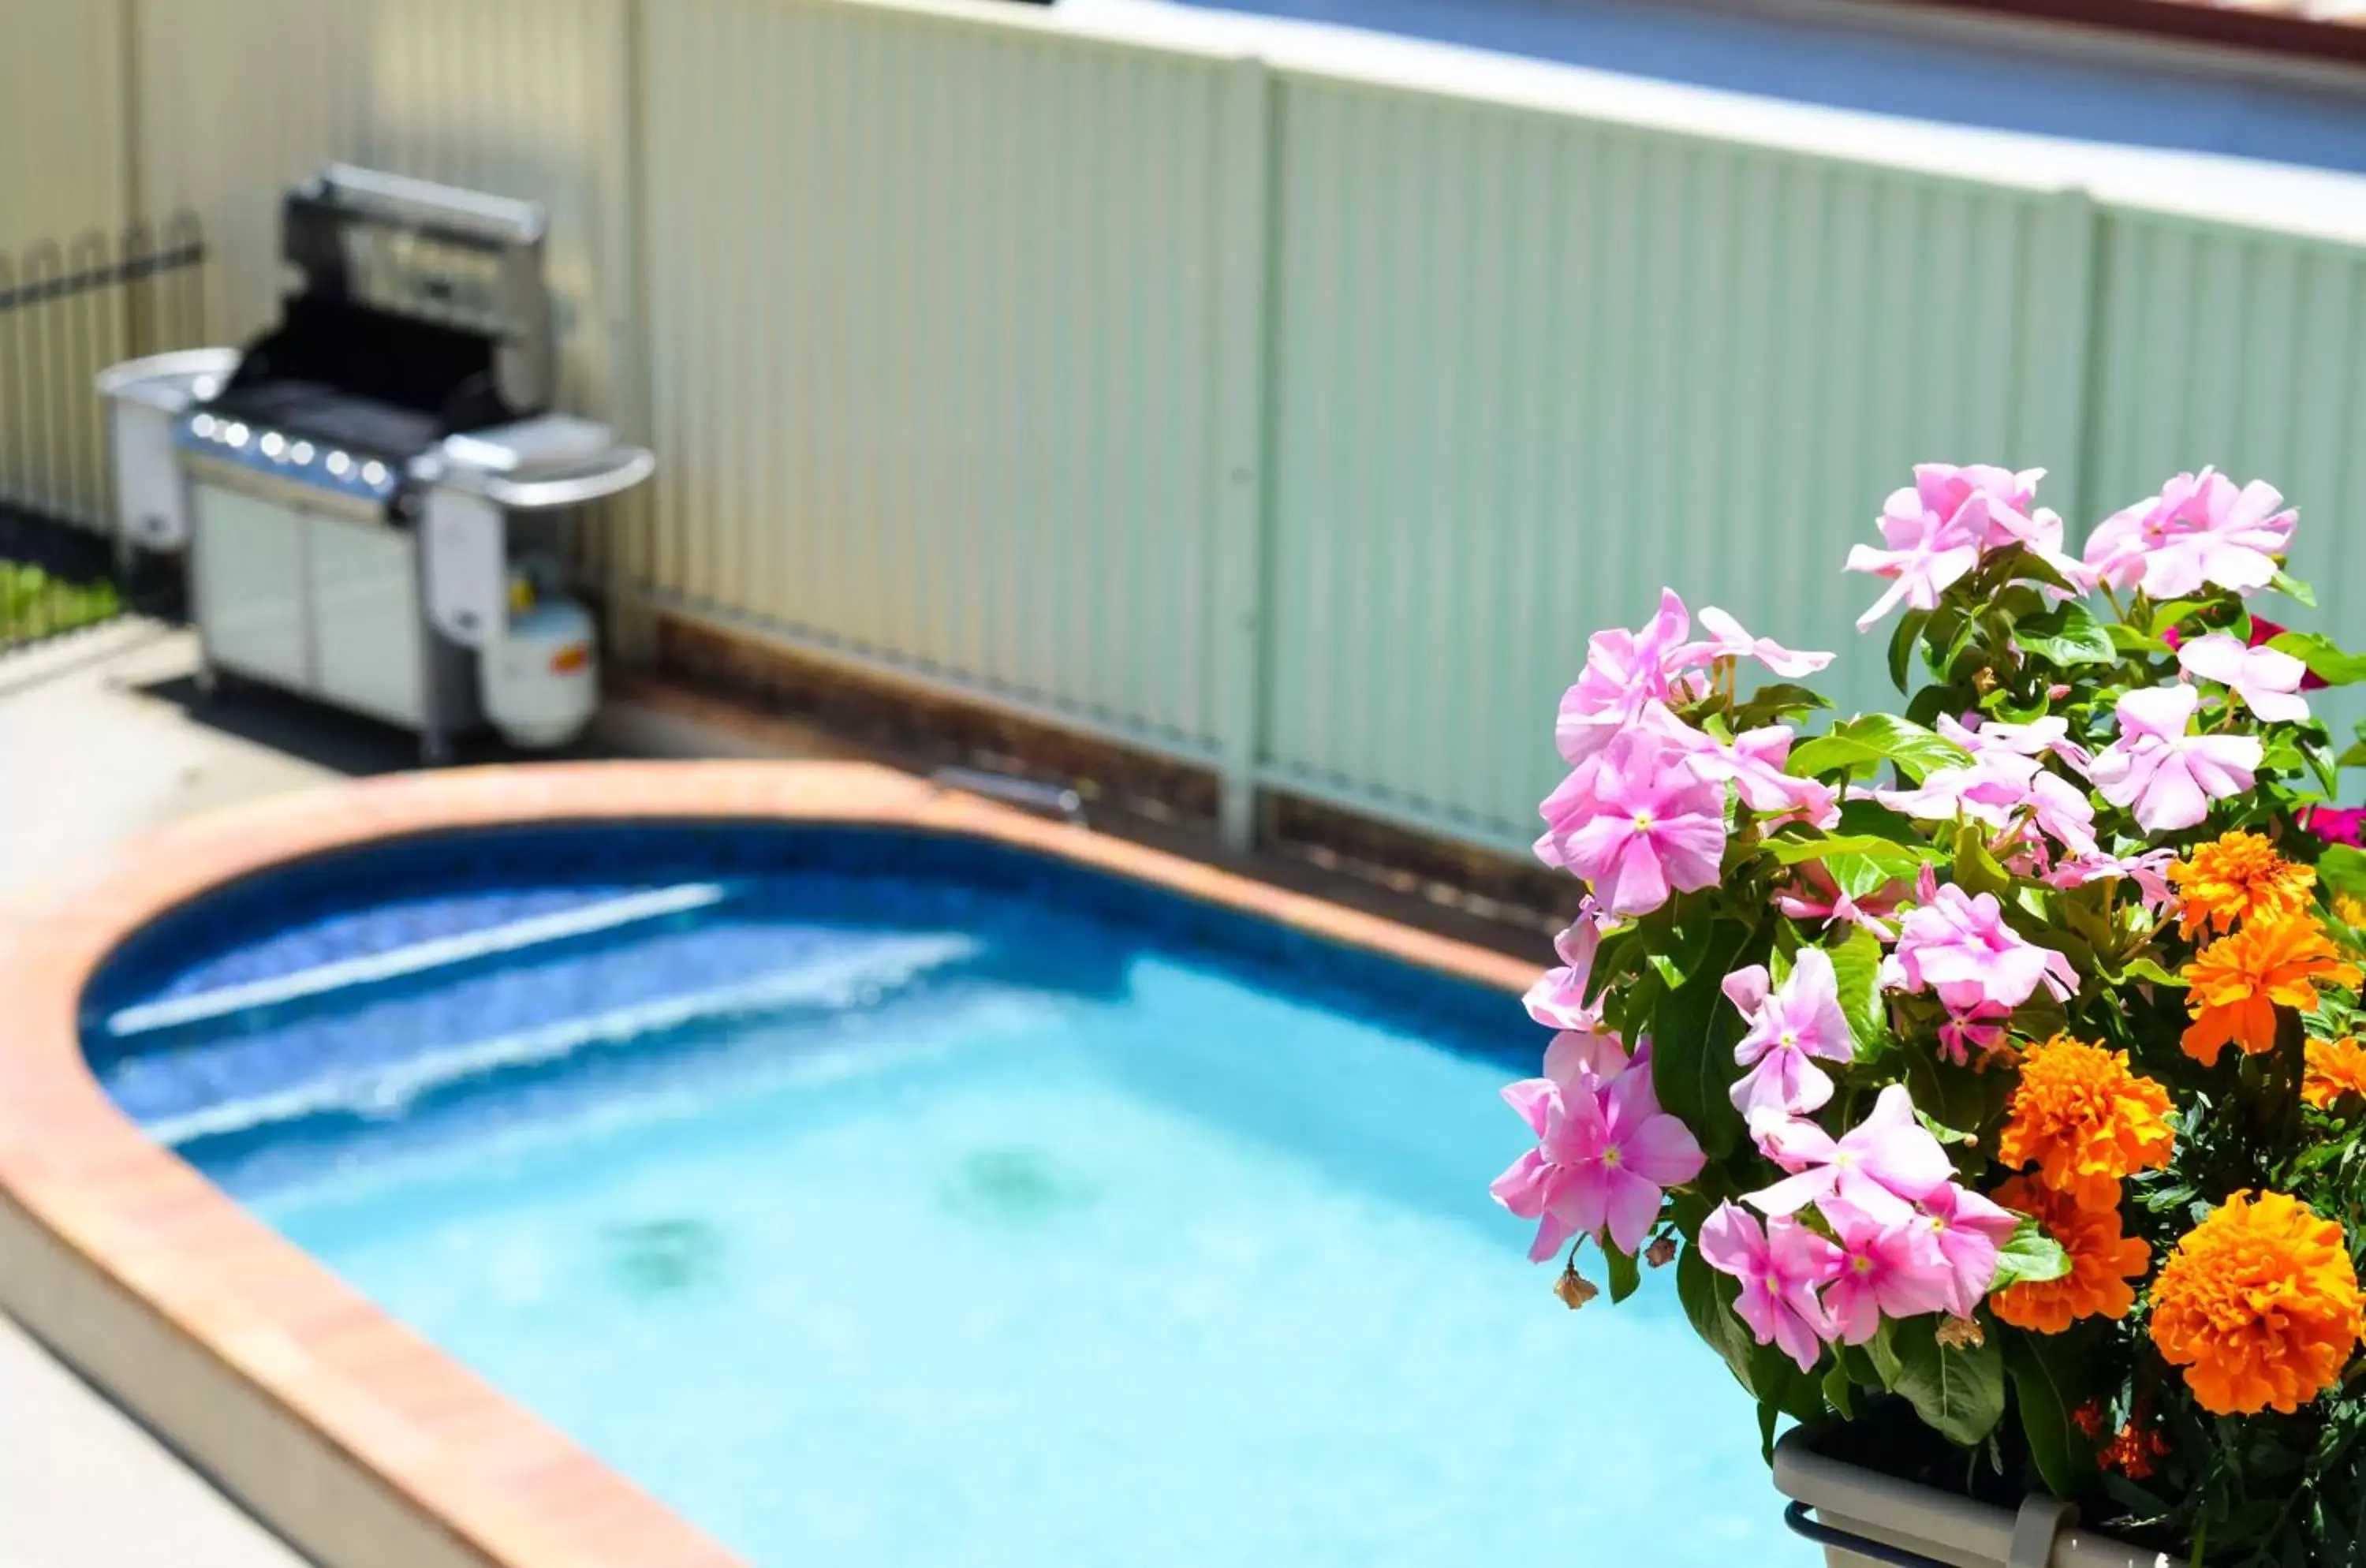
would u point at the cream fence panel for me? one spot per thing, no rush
(61, 179)
(236, 99)
(951, 359)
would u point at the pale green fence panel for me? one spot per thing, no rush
(1530, 367)
(2246, 349)
(935, 301)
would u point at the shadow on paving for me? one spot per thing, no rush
(330, 737)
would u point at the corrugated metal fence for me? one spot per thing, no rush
(1290, 420)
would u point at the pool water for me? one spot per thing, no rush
(915, 1212)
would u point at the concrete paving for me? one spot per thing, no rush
(101, 738)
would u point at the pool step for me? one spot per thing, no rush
(385, 1088)
(418, 957)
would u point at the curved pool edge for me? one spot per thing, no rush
(361, 1444)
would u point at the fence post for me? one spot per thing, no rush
(1243, 260)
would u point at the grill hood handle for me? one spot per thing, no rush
(618, 472)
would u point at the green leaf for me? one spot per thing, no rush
(1624, 1277)
(1840, 1393)
(2293, 588)
(2174, 613)
(1856, 964)
(2149, 969)
(2050, 1382)
(2031, 1257)
(2342, 870)
(1708, 1297)
(1864, 743)
(1902, 646)
(1977, 871)
(1941, 1131)
(1859, 863)
(1692, 1044)
(2068, 636)
(2325, 657)
(1686, 958)
(1780, 700)
(2127, 639)
(1958, 1393)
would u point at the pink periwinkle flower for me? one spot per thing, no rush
(1780, 1268)
(1882, 1167)
(2337, 825)
(1938, 528)
(1894, 1270)
(2199, 530)
(1753, 763)
(1814, 895)
(2263, 632)
(1624, 669)
(1969, 1232)
(1605, 1153)
(2268, 682)
(1644, 822)
(2148, 870)
(1982, 1030)
(1791, 1025)
(1728, 640)
(2165, 776)
(2005, 784)
(1959, 946)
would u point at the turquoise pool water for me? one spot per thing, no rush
(889, 1218)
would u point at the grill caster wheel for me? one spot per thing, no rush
(434, 751)
(208, 683)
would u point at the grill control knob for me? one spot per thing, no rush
(202, 427)
(300, 453)
(274, 445)
(340, 464)
(374, 475)
(235, 435)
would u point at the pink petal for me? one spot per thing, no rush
(1534, 1099)
(1663, 1151)
(1732, 1243)
(1552, 1234)
(1634, 1204)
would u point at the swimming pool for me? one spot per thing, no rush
(877, 1197)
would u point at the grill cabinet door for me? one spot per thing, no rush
(249, 586)
(365, 597)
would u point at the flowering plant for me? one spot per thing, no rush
(1992, 1060)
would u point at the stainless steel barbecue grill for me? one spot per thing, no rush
(371, 495)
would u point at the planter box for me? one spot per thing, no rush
(1942, 1529)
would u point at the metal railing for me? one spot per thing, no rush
(68, 310)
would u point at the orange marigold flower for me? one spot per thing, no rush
(2085, 1120)
(2238, 981)
(2237, 878)
(2090, 1417)
(2336, 1067)
(2102, 1262)
(2132, 1452)
(2259, 1305)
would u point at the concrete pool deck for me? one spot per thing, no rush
(93, 750)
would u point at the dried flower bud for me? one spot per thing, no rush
(1961, 1334)
(1660, 1253)
(1574, 1288)
(2056, 692)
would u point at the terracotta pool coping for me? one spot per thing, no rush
(360, 1442)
